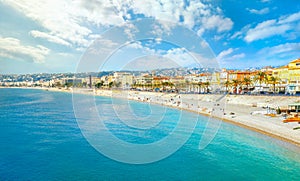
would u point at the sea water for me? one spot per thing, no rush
(40, 139)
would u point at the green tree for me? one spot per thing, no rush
(57, 84)
(261, 77)
(110, 84)
(227, 84)
(117, 84)
(200, 84)
(247, 82)
(164, 84)
(206, 84)
(99, 84)
(158, 85)
(79, 85)
(274, 81)
(69, 84)
(172, 85)
(235, 83)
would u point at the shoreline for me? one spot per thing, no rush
(241, 105)
(256, 128)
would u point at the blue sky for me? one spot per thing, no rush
(52, 36)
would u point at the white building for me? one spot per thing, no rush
(124, 78)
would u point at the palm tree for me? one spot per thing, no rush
(110, 84)
(235, 84)
(187, 84)
(172, 85)
(274, 80)
(207, 85)
(164, 85)
(247, 82)
(99, 84)
(157, 85)
(261, 77)
(200, 84)
(227, 84)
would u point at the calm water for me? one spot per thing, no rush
(40, 140)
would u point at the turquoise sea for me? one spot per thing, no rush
(41, 140)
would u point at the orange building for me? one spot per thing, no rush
(240, 75)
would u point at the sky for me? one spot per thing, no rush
(39, 36)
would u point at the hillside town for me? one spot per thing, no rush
(268, 80)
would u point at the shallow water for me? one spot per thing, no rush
(41, 140)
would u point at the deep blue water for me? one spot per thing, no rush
(41, 140)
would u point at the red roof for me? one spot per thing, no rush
(161, 78)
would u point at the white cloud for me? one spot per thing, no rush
(135, 45)
(68, 22)
(150, 63)
(56, 17)
(180, 56)
(65, 22)
(145, 50)
(51, 38)
(197, 13)
(229, 55)
(204, 44)
(185, 58)
(266, 29)
(238, 56)
(130, 30)
(286, 26)
(224, 53)
(265, 1)
(278, 55)
(218, 37)
(289, 19)
(102, 45)
(260, 12)
(65, 54)
(217, 22)
(12, 48)
(200, 32)
(283, 48)
(164, 10)
(239, 34)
